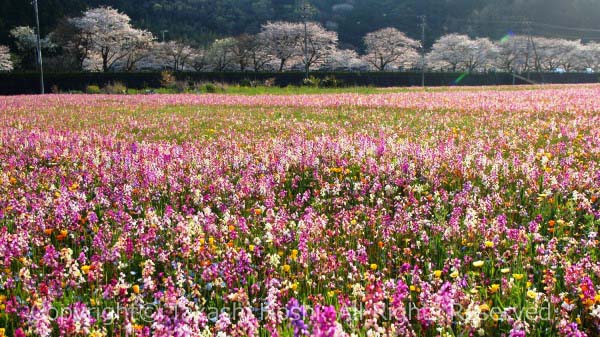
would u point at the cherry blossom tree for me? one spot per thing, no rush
(315, 44)
(344, 60)
(199, 60)
(281, 40)
(588, 56)
(390, 47)
(460, 53)
(480, 54)
(173, 54)
(109, 33)
(551, 54)
(259, 54)
(220, 54)
(513, 54)
(5, 61)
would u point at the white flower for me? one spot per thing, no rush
(274, 260)
(596, 312)
(473, 315)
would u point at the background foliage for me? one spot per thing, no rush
(201, 21)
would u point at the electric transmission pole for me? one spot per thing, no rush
(423, 23)
(305, 14)
(39, 46)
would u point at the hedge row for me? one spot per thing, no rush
(28, 83)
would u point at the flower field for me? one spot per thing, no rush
(442, 213)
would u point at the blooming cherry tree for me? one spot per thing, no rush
(319, 44)
(513, 54)
(281, 41)
(460, 53)
(173, 54)
(390, 47)
(110, 34)
(589, 56)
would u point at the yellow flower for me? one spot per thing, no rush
(478, 264)
(211, 241)
(528, 284)
(331, 293)
(294, 286)
(251, 248)
(294, 254)
(373, 266)
(286, 268)
(136, 289)
(413, 288)
(532, 294)
(489, 244)
(437, 273)
(353, 222)
(85, 269)
(505, 270)
(518, 277)
(454, 274)
(484, 307)
(2, 332)
(494, 288)
(597, 298)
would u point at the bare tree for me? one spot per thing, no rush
(390, 47)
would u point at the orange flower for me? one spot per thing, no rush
(63, 235)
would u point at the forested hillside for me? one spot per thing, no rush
(200, 21)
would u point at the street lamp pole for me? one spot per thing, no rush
(39, 46)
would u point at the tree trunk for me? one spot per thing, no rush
(281, 65)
